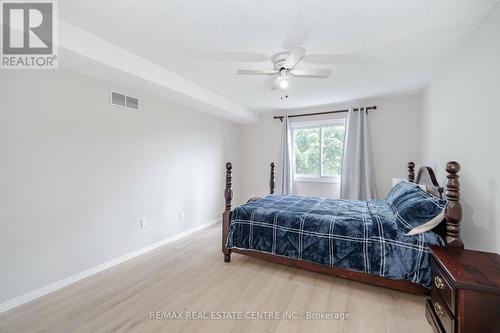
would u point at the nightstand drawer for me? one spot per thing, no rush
(432, 318)
(441, 284)
(442, 312)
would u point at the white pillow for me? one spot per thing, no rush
(427, 226)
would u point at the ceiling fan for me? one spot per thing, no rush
(284, 64)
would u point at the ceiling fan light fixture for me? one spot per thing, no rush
(284, 84)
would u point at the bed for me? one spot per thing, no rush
(367, 241)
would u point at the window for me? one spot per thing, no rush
(318, 150)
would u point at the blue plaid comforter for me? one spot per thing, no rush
(358, 235)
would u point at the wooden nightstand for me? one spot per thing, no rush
(465, 294)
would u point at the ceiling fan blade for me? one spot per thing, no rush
(340, 59)
(256, 71)
(311, 72)
(225, 56)
(294, 57)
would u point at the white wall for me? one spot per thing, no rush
(77, 175)
(394, 130)
(461, 115)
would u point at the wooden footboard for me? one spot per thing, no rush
(228, 196)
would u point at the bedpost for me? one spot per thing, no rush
(271, 179)
(411, 172)
(453, 212)
(226, 216)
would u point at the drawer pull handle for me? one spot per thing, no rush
(438, 309)
(438, 282)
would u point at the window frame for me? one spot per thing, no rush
(315, 125)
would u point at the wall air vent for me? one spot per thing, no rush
(124, 101)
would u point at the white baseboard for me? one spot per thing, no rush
(28, 297)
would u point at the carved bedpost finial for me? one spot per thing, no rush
(411, 172)
(271, 179)
(228, 193)
(453, 212)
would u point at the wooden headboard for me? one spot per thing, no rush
(449, 229)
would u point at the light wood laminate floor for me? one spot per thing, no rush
(190, 275)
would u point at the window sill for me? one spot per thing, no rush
(317, 180)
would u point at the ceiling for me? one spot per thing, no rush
(374, 48)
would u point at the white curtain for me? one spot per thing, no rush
(287, 182)
(357, 181)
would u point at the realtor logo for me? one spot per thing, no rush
(28, 35)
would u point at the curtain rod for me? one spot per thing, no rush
(325, 112)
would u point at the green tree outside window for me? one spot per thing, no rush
(318, 150)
